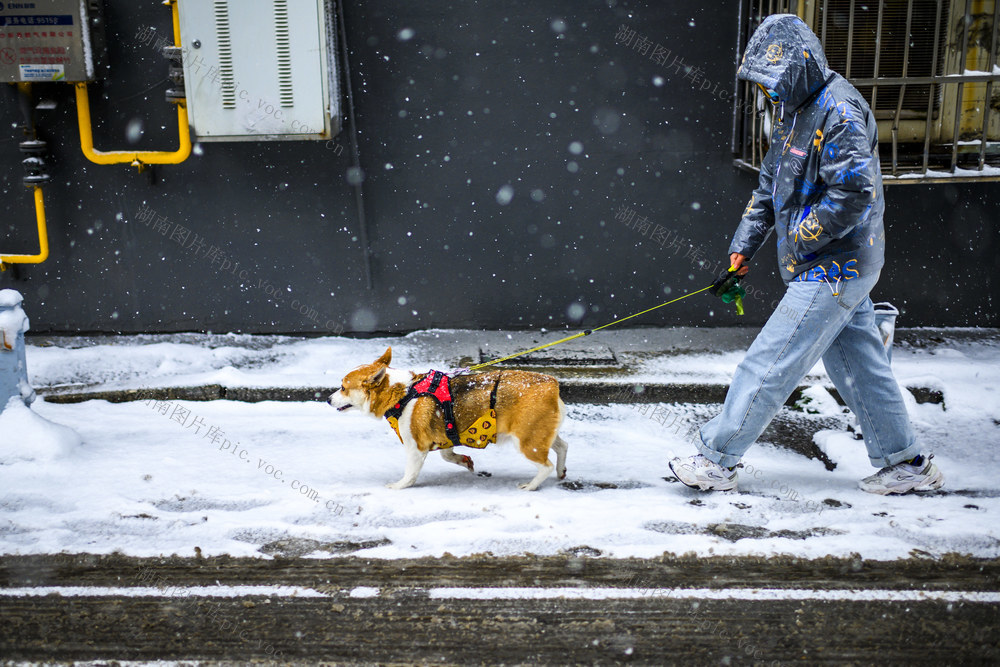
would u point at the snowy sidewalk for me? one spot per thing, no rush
(297, 478)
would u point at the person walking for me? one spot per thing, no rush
(820, 192)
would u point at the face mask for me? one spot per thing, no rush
(771, 95)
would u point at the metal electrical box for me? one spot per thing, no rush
(257, 70)
(51, 40)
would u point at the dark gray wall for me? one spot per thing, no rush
(485, 95)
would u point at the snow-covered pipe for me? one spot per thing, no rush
(24, 435)
(13, 367)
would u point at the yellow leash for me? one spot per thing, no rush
(583, 333)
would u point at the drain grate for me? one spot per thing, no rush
(596, 355)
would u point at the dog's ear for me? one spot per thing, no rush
(375, 379)
(382, 361)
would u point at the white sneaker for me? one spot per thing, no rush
(903, 478)
(700, 473)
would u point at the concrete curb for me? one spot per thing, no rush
(571, 392)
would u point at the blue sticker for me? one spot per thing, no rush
(38, 20)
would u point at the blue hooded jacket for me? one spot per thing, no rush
(820, 183)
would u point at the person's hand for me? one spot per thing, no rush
(739, 261)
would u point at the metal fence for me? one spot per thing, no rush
(928, 69)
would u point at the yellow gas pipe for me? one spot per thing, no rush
(43, 234)
(135, 158)
(43, 238)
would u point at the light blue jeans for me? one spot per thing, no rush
(811, 323)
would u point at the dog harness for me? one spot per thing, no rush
(437, 385)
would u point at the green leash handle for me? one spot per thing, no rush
(727, 287)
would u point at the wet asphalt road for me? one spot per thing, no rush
(433, 611)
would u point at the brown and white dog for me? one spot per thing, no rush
(528, 412)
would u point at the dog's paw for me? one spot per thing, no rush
(562, 474)
(397, 485)
(467, 462)
(526, 486)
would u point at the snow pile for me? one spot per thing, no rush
(26, 436)
(816, 400)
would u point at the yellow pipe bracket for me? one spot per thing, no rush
(43, 237)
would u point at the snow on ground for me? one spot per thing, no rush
(48, 440)
(228, 478)
(276, 361)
